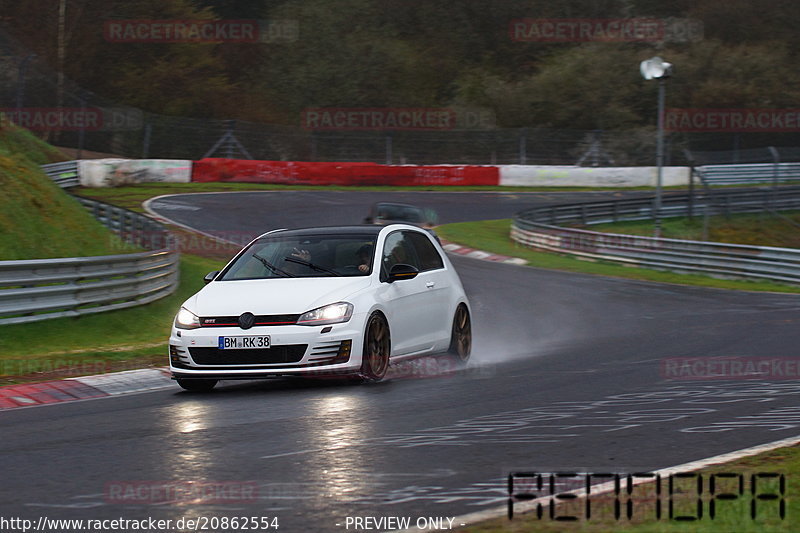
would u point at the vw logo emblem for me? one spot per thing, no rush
(246, 320)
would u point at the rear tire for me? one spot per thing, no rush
(197, 385)
(461, 336)
(377, 345)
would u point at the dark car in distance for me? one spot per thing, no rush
(387, 212)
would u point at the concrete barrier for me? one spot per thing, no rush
(571, 176)
(332, 173)
(116, 172)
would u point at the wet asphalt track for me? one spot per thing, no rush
(567, 374)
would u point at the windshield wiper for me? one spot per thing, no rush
(311, 265)
(272, 267)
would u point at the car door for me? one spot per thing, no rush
(406, 301)
(438, 313)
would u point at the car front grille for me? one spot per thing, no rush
(260, 320)
(289, 353)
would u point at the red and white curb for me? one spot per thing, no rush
(84, 388)
(479, 254)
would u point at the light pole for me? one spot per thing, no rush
(658, 69)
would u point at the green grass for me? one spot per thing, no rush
(135, 334)
(22, 143)
(493, 236)
(762, 229)
(38, 220)
(731, 516)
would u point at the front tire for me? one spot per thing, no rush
(377, 345)
(197, 385)
(461, 336)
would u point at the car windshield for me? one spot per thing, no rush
(303, 256)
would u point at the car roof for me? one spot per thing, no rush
(397, 204)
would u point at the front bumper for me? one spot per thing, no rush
(294, 350)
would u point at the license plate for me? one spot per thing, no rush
(244, 342)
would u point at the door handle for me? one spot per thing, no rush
(430, 284)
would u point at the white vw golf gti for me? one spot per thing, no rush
(322, 301)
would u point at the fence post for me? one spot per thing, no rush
(148, 131)
(230, 126)
(388, 148)
(82, 130)
(776, 160)
(523, 147)
(690, 159)
(21, 70)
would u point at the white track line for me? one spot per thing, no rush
(162, 218)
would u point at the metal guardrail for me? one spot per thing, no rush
(766, 173)
(725, 202)
(131, 227)
(41, 289)
(51, 288)
(537, 228)
(65, 173)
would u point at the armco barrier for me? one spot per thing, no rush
(309, 173)
(64, 174)
(40, 289)
(535, 228)
(50, 288)
(766, 173)
(722, 202)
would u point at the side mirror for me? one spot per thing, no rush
(401, 271)
(210, 277)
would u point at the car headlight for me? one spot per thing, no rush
(185, 319)
(329, 314)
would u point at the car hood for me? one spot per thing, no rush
(272, 296)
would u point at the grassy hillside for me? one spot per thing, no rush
(38, 220)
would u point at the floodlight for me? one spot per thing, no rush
(655, 68)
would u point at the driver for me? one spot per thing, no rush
(364, 254)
